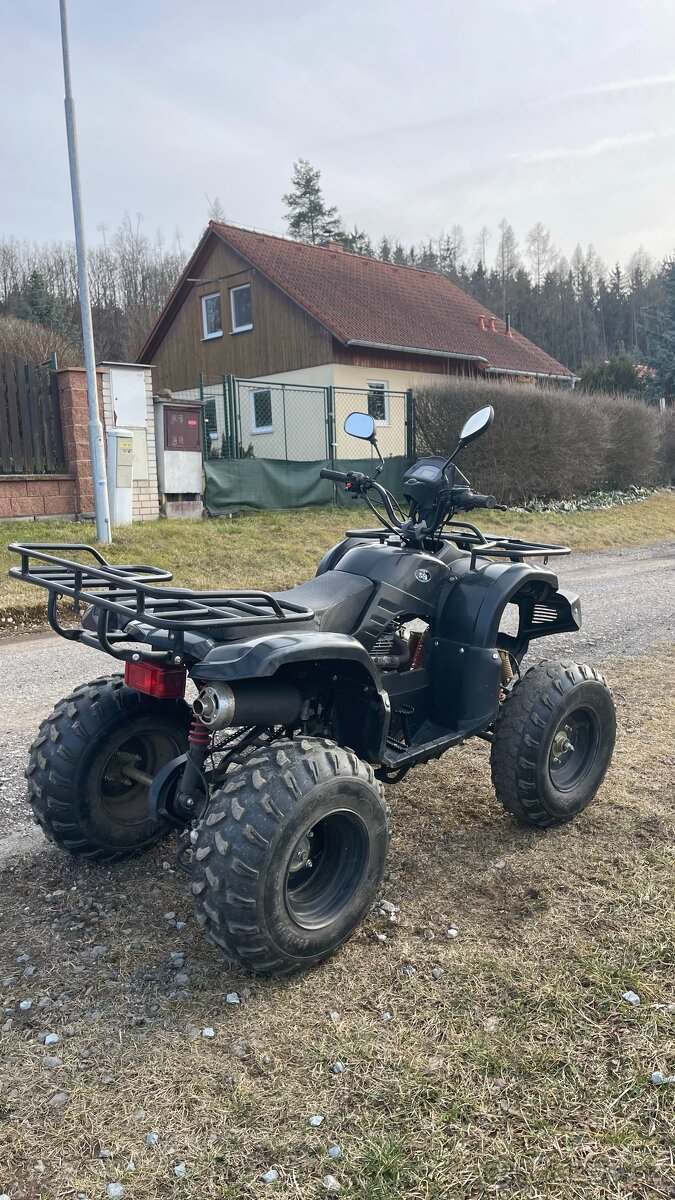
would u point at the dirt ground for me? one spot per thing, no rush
(499, 1062)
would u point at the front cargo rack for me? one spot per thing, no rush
(480, 545)
(127, 598)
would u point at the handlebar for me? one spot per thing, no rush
(338, 476)
(468, 500)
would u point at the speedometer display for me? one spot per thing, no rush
(427, 473)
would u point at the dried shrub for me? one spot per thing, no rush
(633, 454)
(550, 444)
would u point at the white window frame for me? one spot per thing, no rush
(261, 428)
(218, 332)
(380, 385)
(239, 328)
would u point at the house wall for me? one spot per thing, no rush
(283, 338)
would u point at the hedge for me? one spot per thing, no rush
(548, 443)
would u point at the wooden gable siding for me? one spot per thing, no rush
(392, 360)
(283, 338)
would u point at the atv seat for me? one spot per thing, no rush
(336, 598)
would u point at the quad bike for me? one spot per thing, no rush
(307, 701)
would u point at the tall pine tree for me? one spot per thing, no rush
(309, 218)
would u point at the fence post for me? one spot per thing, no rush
(233, 422)
(410, 425)
(330, 425)
(283, 409)
(205, 447)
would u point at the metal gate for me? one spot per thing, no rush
(294, 422)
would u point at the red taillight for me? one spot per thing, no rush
(165, 683)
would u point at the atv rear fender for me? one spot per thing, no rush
(347, 671)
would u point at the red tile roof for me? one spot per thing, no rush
(364, 300)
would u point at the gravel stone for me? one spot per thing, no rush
(208, 1032)
(335, 1152)
(316, 1121)
(270, 1176)
(25, 1005)
(180, 1170)
(232, 998)
(337, 1068)
(151, 1139)
(115, 1191)
(59, 1100)
(631, 998)
(181, 979)
(437, 973)
(452, 932)
(50, 1060)
(169, 916)
(51, 1039)
(335, 1017)
(330, 1183)
(659, 1079)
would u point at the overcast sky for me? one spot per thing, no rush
(419, 114)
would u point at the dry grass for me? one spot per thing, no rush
(520, 1073)
(279, 549)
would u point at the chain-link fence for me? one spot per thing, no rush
(252, 427)
(391, 411)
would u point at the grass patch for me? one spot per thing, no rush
(519, 1073)
(280, 549)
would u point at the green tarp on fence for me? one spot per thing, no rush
(236, 483)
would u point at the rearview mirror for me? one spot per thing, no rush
(360, 425)
(476, 424)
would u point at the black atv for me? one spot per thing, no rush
(307, 701)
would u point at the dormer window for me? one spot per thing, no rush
(240, 306)
(212, 324)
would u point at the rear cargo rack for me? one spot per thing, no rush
(126, 598)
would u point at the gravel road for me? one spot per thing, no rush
(628, 605)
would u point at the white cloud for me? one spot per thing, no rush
(592, 150)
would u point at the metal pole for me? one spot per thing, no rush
(96, 448)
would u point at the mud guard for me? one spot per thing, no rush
(472, 610)
(362, 706)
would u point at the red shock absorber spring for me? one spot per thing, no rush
(199, 735)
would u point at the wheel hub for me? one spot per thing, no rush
(563, 745)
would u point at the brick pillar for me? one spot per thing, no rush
(72, 383)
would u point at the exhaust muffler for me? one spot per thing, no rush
(253, 702)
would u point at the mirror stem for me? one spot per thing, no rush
(380, 465)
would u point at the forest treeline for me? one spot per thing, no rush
(577, 309)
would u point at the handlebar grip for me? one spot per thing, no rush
(476, 500)
(338, 476)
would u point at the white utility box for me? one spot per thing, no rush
(120, 476)
(178, 438)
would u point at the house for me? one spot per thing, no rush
(269, 309)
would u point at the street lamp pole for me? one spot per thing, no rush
(96, 448)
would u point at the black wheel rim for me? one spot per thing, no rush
(326, 868)
(124, 799)
(573, 749)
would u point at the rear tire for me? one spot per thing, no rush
(76, 785)
(290, 855)
(553, 743)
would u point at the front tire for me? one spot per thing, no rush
(290, 855)
(553, 742)
(78, 787)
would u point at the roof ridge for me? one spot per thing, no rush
(280, 237)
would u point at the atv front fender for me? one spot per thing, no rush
(475, 603)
